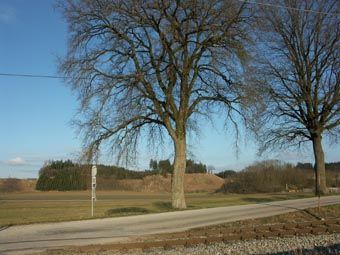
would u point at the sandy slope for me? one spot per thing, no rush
(152, 183)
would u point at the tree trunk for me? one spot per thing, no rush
(319, 167)
(178, 200)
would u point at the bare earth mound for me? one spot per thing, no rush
(14, 185)
(159, 183)
(152, 183)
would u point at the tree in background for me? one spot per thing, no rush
(62, 175)
(304, 165)
(66, 175)
(298, 65)
(165, 167)
(193, 167)
(153, 165)
(226, 174)
(153, 68)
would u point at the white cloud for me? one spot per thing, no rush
(17, 161)
(7, 14)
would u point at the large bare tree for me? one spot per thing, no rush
(299, 66)
(154, 66)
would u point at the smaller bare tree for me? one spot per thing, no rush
(299, 65)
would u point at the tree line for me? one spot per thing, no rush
(265, 176)
(165, 167)
(275, 176)
(332, 166)
(67, 175)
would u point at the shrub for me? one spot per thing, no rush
(268, 176)
(11, 185)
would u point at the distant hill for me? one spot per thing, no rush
(159, 183)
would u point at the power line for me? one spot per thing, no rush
(33, 76)
(244, 1)
(290, 8)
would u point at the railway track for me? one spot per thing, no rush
(222, 234)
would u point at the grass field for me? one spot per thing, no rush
(35, 207)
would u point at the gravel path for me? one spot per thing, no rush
(298, 245)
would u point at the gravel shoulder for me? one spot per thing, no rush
(310, 244)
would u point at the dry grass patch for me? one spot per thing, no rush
(34, 207)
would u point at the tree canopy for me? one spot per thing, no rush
(153, 68)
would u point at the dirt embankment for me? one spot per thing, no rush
(14, 185)
(152, 183)
(159, 183)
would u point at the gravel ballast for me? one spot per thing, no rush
(304, 244)
(307, 245)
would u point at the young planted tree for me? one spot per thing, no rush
(300, 62)
(152, 67)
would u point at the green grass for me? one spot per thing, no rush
(35, 207)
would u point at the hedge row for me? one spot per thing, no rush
(273, 176)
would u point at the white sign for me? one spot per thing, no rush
(94, 171)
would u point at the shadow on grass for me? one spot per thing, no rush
(164, 206)
(258, 199)
(127, 211)
(273, 198)
(167, 206)
(159, 207)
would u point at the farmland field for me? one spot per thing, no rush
(35, 207)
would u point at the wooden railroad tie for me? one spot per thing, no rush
(209, 236)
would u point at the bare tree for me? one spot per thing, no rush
(299, 65)
(153, 67)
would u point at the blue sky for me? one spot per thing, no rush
(35, 113)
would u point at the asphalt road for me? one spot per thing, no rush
(26, 239)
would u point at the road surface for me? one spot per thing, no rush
(26, 239)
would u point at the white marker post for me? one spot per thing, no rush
(93, 174)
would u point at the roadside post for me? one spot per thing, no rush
(93, 175)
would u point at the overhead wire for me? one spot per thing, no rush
(33, 75)
(244, 1)
(290, 8)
